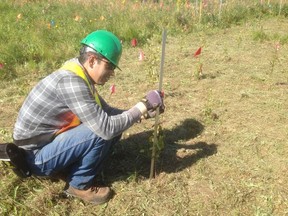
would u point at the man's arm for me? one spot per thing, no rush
(76, 95)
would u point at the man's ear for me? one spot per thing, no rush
(92, 60)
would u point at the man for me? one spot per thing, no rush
(64, 125)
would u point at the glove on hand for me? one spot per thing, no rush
(154, 99)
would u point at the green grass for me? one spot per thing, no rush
(31, 28)
(225, 133)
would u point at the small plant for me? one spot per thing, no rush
(156, 140)
(152, 61)
(209, 115)
(260, 35)
(275, 57)
(157, 145)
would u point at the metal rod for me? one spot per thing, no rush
(164, 35)
(153, 156)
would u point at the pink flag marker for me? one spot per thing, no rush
(277, 46)
(134, 42)
(112, 89)
(141, 55)
(198, 52)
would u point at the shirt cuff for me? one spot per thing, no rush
(142, 108)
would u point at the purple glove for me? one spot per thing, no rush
(154, 99)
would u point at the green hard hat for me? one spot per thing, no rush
(105, 43)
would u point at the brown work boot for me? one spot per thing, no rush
(95, 195)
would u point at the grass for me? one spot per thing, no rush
(225, 134)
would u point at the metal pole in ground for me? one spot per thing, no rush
(153, 156)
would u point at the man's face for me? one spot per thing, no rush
(101, 71)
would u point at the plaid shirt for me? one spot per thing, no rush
(50, 104)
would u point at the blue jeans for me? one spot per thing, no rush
(78, 151)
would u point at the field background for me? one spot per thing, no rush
(225, 130)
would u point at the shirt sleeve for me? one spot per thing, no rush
(76, 95)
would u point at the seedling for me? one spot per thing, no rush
(152, 61)
(157, 139)
(275, 57)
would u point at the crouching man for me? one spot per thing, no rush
(64, 125)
